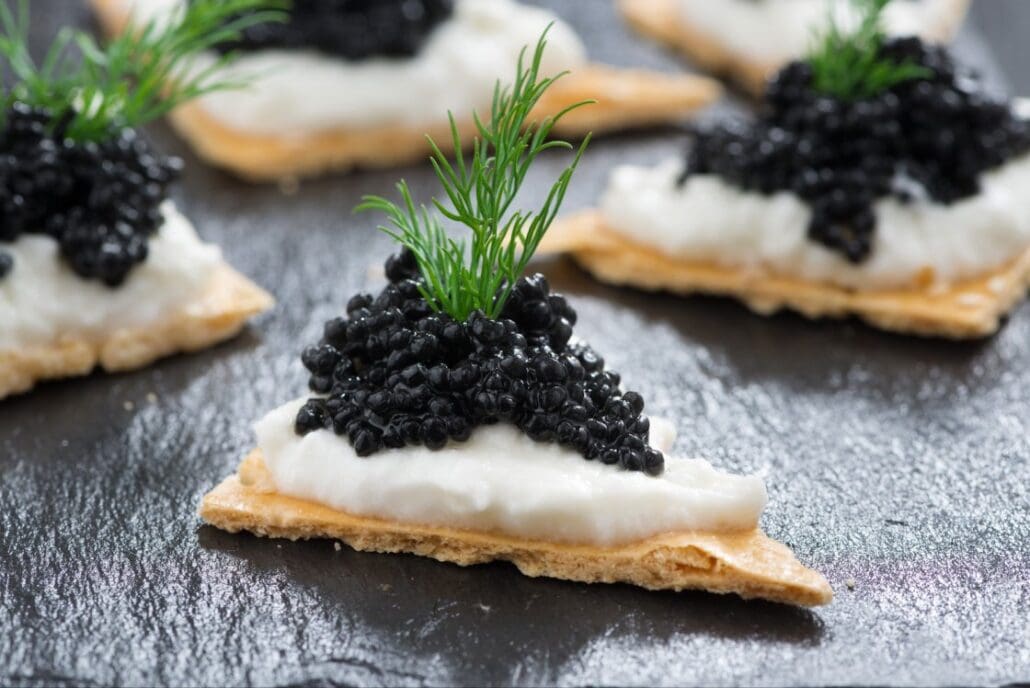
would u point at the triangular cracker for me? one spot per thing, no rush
(219, 314)
(626, 98)
(969, 309)
(748, 563)
(662, 21)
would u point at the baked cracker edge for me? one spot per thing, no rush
(749, 564)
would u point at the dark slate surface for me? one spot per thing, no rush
(898, 467)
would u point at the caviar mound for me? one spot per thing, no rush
(350, 29)
(395, 373)
(928, 137)
(100, 201)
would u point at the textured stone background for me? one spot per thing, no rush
(898, 464)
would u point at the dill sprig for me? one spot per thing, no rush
(139, 76)
(461, 277)
(849, 65)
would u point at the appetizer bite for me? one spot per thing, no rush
(97, 266)
(354, 83)
(456, 417)
(750, 40)
(879, 180)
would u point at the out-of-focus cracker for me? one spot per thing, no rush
(970, 309)
(626, 98)
(662, 21)
(219, 314)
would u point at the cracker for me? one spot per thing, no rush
(747, 563)
(966, 310)
(626, 98)
(662, 21)
(219, 314)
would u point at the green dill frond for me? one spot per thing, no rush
(848, 65)
(463, 276)
(137, 77)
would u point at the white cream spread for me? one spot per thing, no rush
(43, 300)
(456, 70)
(709, 220)
(774, 31)
(502, 481)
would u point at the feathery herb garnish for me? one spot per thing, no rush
(461, 278)
(137, 77)
(849, 65)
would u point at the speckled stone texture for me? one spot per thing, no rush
(898, 467)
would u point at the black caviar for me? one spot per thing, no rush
(99, 201)
(395, 373)
(351, 29)
(931, 137)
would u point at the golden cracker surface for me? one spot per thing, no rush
(748, 563)
(625, 98)
(219, 314)
(662, 21)
(969, 309)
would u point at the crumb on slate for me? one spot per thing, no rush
(288, 186)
